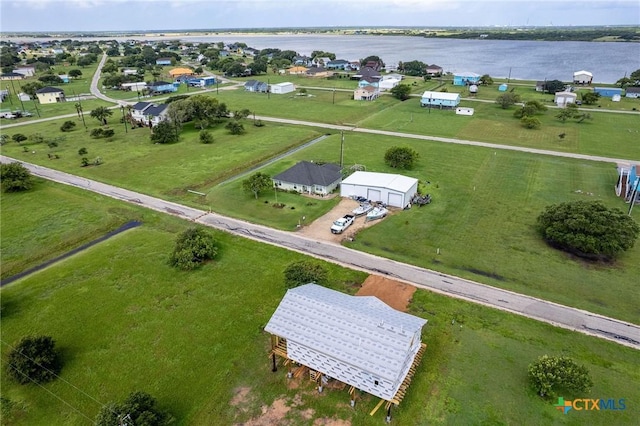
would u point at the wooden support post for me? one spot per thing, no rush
(273, 359)
(389, 414)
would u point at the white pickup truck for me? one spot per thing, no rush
(343, 223)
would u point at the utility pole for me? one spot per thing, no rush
(341, 149)
(16, 93)
(634, 194)
(334, 96)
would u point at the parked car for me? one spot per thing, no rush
(8, 115)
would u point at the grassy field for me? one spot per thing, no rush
(124, 320)
(482, 219)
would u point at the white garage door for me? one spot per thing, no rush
(374, 194)
(395, 200)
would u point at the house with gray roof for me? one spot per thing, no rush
(256, 86)
(309, 178)
(148, 114)
(357, 340)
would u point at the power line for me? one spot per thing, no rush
(52, 393)
(56, 375)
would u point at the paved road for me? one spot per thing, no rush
(559, 315)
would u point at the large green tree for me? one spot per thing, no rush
(414, 68)
(165, 132)
(588, 229)
(400, 157)
(139, 408)
(34, 359)
(193, 247)
(257, 183)
(551, 374)
(15, 177)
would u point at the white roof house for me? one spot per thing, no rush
(358, 340)
(582, 77)
(282, 88)
(563, 98)
(391, 189)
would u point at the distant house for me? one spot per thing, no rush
(338, 64)
(632, 92)
(163, 61)
(582, 77)
(148, 114)
(27, 71)
(608, 92)
(540, 86)
(440, 99)
(466, 78)
(354, 65)
(130, 71)
(282, 88)
(202, 81)
(177, 72)
(367, 72)
(628, 185)
(159, 87)
(309, 178)
(50, 95)
(368, 81)
(434, 70)
(376, 65)
(11, 76)
(317, 72)
(256, 86)
(134, 87)
(320, 62)
(357, 340)
(388, 83)
(366, 93)
(303, 61)
(298, 70)
(564, 98)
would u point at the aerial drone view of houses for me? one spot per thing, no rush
(209, 233)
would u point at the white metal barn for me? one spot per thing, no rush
(282, 88)
(358, 340)
(391, 189)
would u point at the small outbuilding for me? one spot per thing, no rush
(391, 189)
(309, 178)
(440, 99)
(357, 340)
(632, 92)
(563, 98)
(608, 92)
(282, 88)
(503, 87)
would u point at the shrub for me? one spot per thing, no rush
(34, 359)
(15, 177)
(551, 374)
(400, 157)
(82, 151)
(19, 137)
(67, 126)
(206, 137)
(139, 408)
(304, 272)
(193, 247)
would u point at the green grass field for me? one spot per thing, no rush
(124, 320)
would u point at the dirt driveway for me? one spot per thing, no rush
(321, 228)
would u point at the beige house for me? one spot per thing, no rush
(298, 70)
(366, 93)
(317, 72)
(50, 95)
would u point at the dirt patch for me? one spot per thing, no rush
(240, 396)
(331, 422)
(394, 293)
(320, 228)
(271, 415)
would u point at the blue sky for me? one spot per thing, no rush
(123, 15)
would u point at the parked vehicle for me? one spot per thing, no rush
(8, 115)
(378, 212)
(343, 223)
(363, 208)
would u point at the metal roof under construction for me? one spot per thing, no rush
(358, 340)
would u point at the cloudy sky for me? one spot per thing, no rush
(123, 15)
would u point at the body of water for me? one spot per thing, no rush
(525, 60)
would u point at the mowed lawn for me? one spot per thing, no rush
(132, 161)
(482, 219)
(124, 320)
